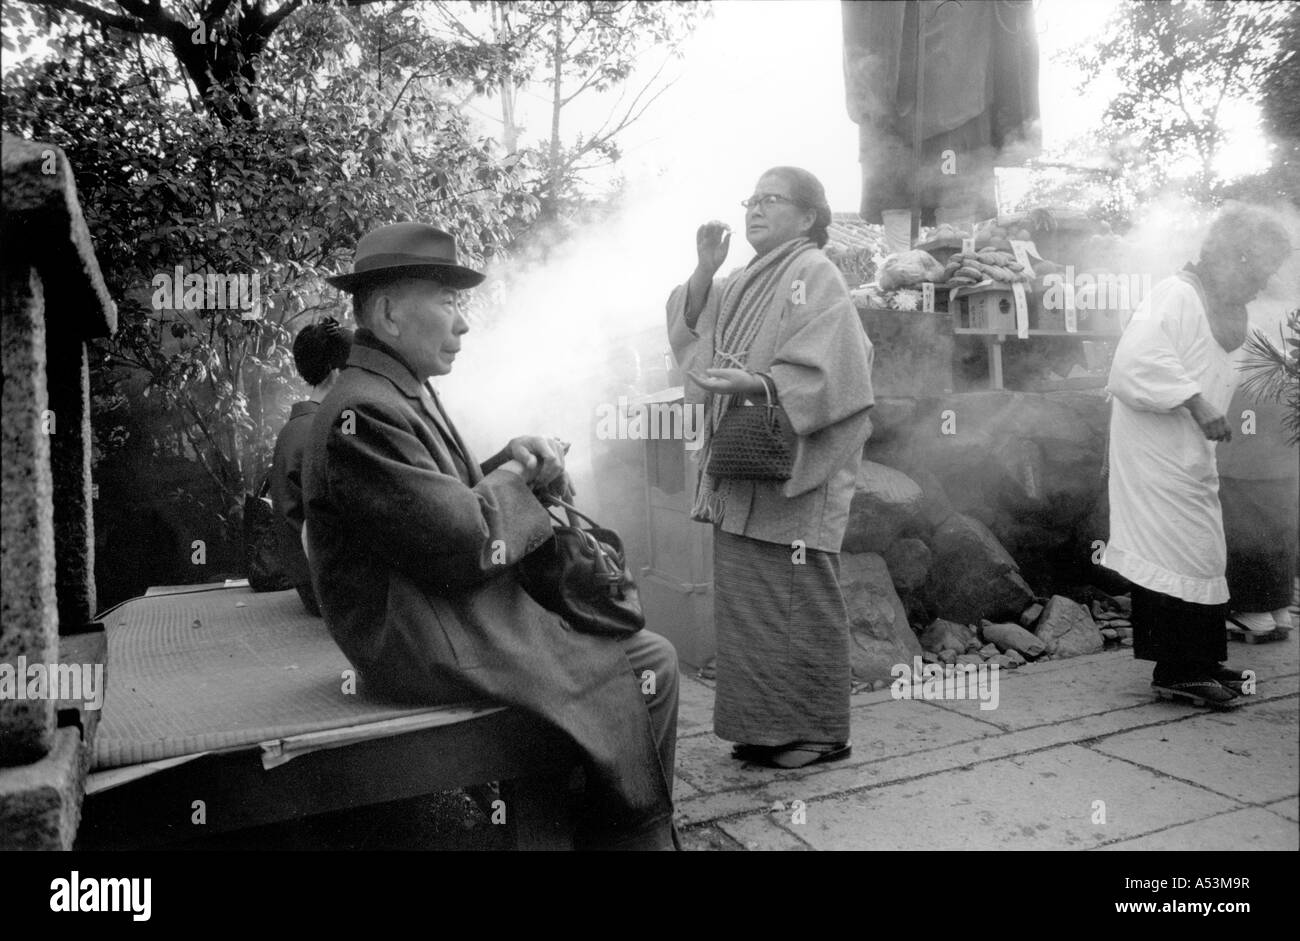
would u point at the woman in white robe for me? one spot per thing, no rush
(1172, 379)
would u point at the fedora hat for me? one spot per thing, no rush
(407, 248)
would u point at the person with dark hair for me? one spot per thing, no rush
(782, 327)
(414, 548)
(1171, 380)
(320, 351)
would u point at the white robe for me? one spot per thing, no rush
(1166, 525)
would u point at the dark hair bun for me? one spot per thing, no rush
(809, 193)
(319, 348)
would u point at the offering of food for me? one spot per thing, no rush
(908, 269)
(985, 264)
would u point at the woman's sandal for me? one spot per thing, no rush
(1210, 693)
(801, 754)
(1232, 679)
(743, 752)
(1249, 632)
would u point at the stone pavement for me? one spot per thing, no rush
(1078, 754)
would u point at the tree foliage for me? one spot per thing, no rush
(1181, 66)
(356, 125)
(575, 51)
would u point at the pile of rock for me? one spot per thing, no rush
(932, 558)
(1053, 628)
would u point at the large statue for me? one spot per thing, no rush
(979, 101)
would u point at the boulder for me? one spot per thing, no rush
(972, 576)
(1029, 617)
(1015, 657)
(1013, 637)
(880, 636)
(885, 503)
(891, 418)
(1005, 662)
(1028, 465)
(1024, 452)
(989, 650)
(935, 505)
(1067, 629)
(973, 659)
(909, 563)
(947, 656)
(946, 635)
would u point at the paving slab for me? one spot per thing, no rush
(1079, 687)
(684, 789)
(1289, 808)
(1101, 682)
(694, 707)
(707, 839)
(824, 780)
(880, 730)
(1269, 661)
(764, 831)
(1040, 801)
(1250, 754)
(1252, 828)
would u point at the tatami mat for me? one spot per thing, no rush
(209, 670)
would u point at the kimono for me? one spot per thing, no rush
(783, 669)
(286, 497)
(812, 344)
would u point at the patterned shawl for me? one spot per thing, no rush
(746, 302)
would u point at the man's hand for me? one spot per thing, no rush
(729, 381)
(542, 459)
(1214, 424)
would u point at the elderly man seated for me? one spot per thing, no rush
(413, 546)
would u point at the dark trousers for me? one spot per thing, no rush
(1260, 524)
(654, 664)
(1185, 640)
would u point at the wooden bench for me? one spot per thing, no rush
(158, 752)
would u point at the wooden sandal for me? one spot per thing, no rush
(803, 754)
(1209, 693)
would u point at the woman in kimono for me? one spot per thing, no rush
(1172, 379)
(786, 321)
(320, 351)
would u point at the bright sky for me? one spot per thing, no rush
(762, 84)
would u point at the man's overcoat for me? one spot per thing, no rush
(412, 546)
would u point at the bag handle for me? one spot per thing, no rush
(608, 573)
(768, 385)
(574, 514)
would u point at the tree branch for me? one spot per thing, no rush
(94, 14)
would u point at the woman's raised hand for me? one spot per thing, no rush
(712, 241)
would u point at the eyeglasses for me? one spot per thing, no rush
(766, 200)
